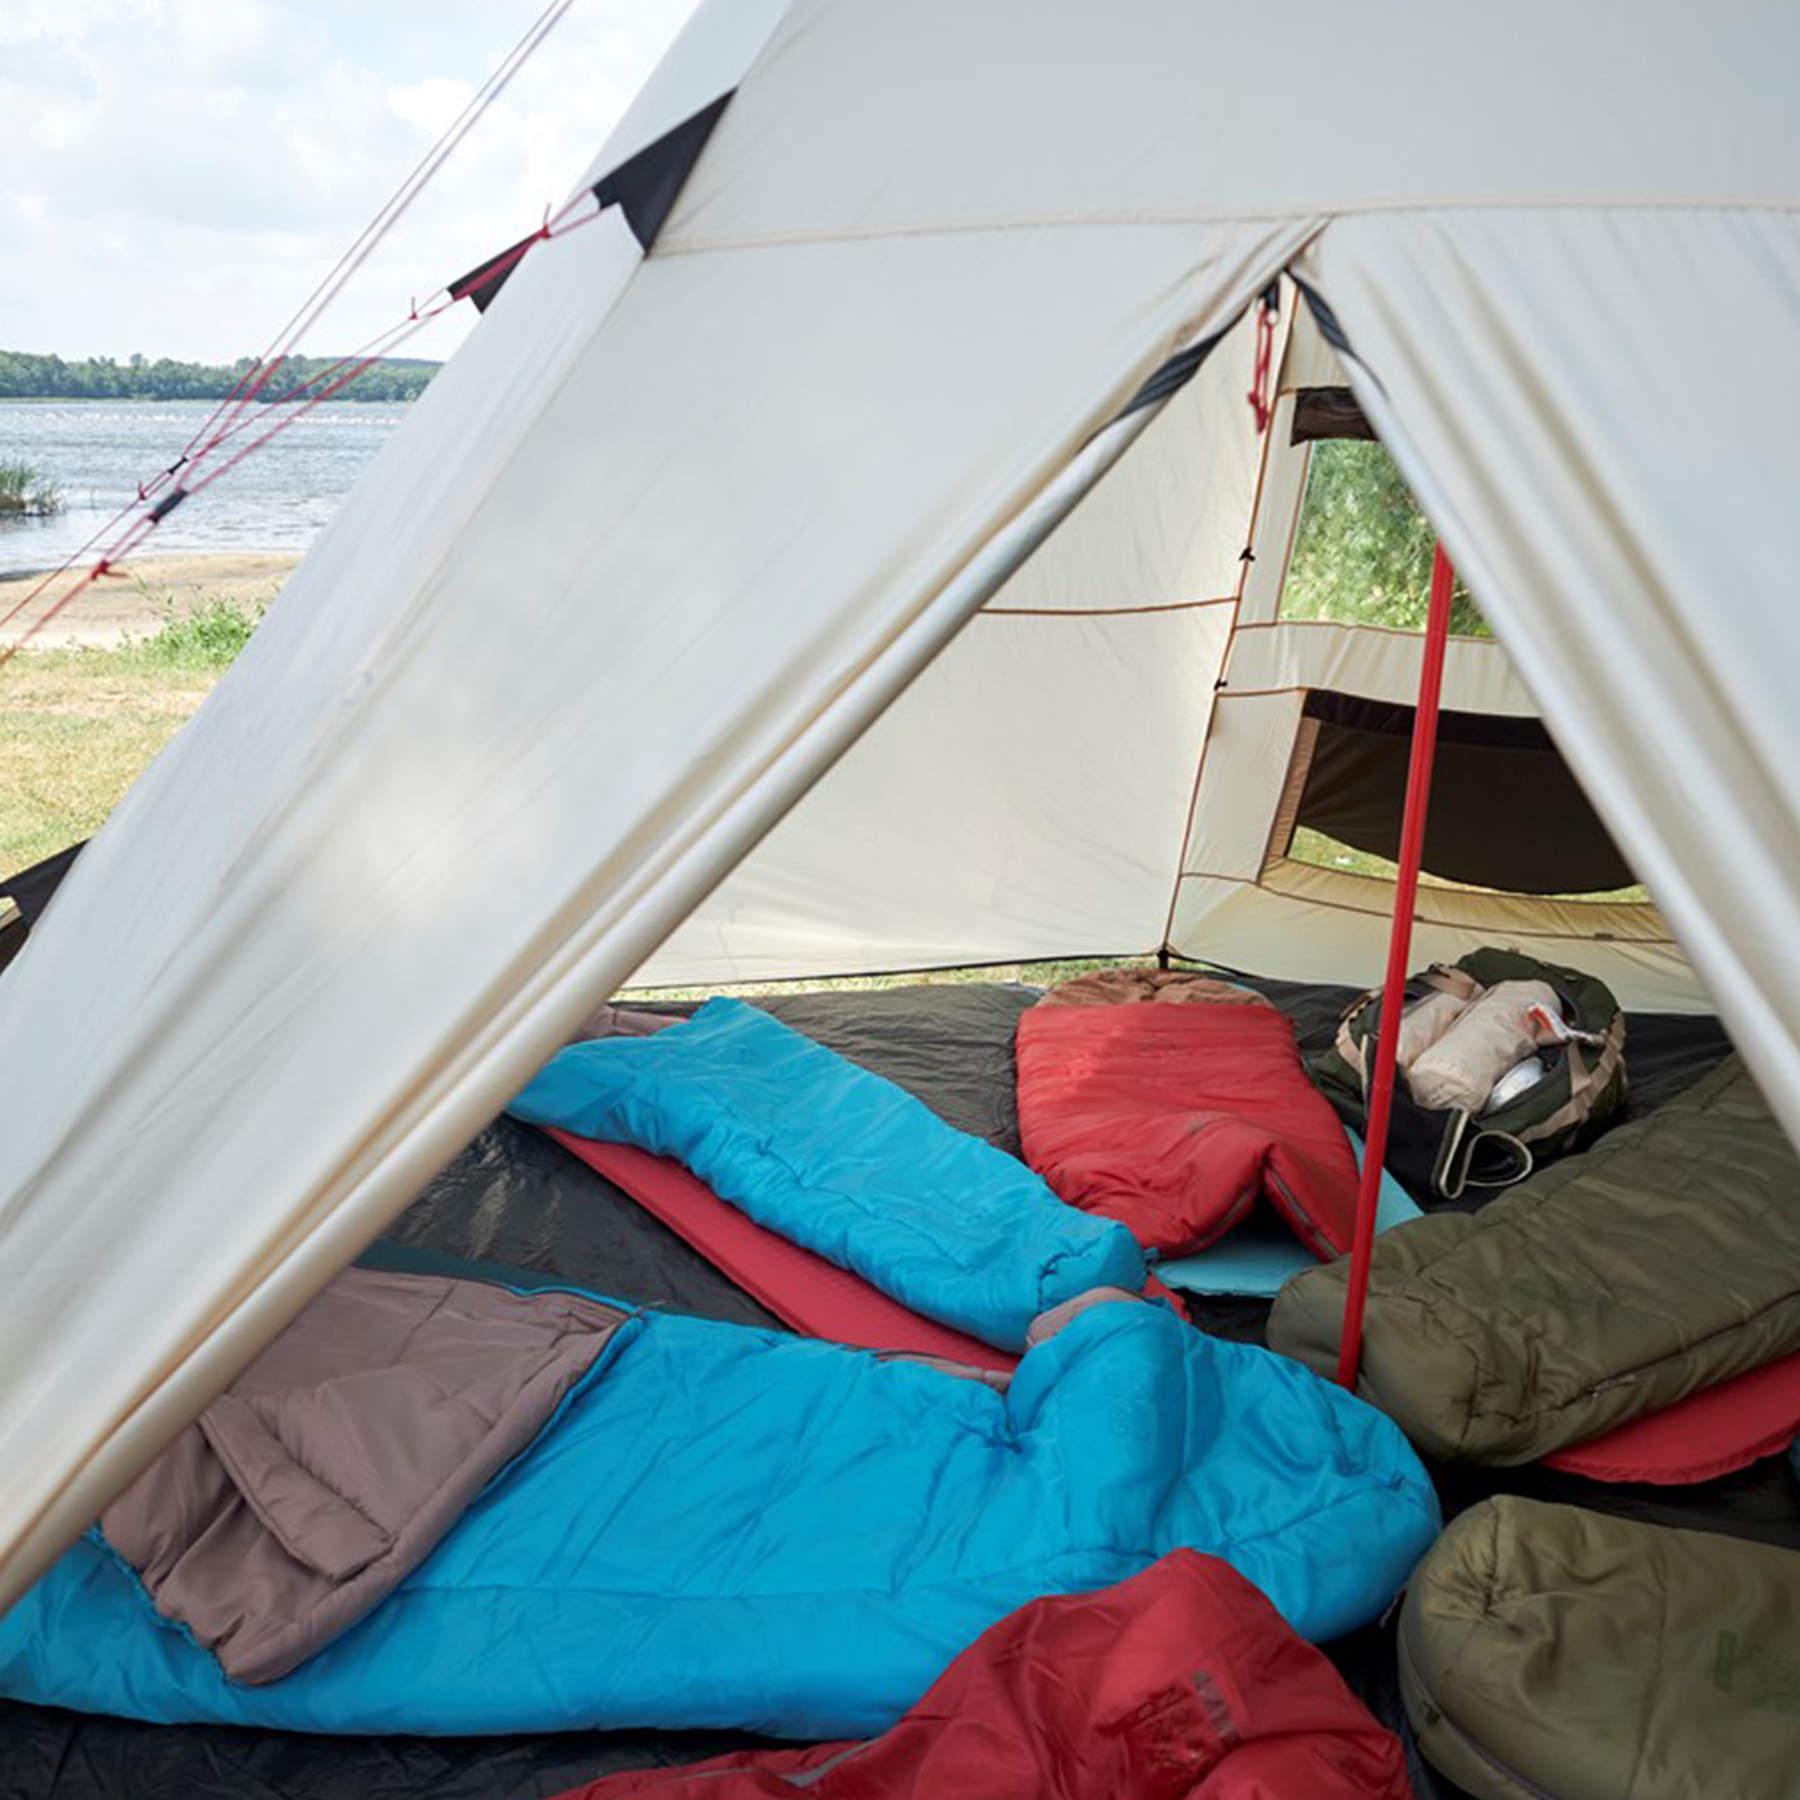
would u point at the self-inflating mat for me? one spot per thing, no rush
(1661, 1262)
(1256, 1257)
(1179, 1684)
(800, 1288)
(732, 1527)
(1712, 1433)
(841, 1162)
(1551, 1653)
(1175, 1103)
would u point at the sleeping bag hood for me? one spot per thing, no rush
(1551, 1653)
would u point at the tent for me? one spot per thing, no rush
(899, 390)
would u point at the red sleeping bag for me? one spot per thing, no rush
(1176, 1118)
(1180, 1684)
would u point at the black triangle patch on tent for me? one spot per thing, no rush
(486, 279)
(644, 187)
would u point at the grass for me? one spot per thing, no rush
(24, 493)
(207, 637)
(77, 727)
(1036, 974)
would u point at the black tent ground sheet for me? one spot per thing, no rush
(516, 1200)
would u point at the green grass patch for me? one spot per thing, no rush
(1034, 974)
(209, 636)
(77, 727)
(24, 493)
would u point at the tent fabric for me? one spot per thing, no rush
(773, 468)
(796, 1538)
(1603, 569)
(1179, 1683)
(1505, 811)
(840, 1162)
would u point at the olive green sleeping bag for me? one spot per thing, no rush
(1550, 1653)
(1662, 1261)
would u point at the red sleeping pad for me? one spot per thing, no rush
(803, 1290)
(1707, 1435)
(1176, 1119)
(1179, 1684)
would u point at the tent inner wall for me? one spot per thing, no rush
(1242, 899)
(1028, 795)
(1106, 759)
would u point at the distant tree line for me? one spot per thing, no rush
(24, 376)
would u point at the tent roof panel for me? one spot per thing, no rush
(1015, 111)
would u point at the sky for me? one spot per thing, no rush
(181, 173)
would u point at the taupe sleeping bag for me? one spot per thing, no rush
(305, 1494)
(1550, 1653)
(1662, 1261)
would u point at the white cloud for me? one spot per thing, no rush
(185, 170)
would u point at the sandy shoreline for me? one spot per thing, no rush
(141, 597)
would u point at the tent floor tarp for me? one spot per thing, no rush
(513, 1198)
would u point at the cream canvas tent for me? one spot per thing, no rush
(772, 456)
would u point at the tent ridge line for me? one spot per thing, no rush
(1176, 216)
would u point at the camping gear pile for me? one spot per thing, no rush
(892, 576)
(645, 1420)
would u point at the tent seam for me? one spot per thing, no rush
(1167, 947)
(1129, 218)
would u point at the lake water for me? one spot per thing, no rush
(276, 499)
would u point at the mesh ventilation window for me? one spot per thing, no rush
(1506, 812)
(1362, 548)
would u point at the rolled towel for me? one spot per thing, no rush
(1427, 1020)
(1492, 1035)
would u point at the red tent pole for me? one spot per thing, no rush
(1406, 888)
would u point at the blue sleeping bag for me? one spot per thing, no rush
(842, 1162)
(731, 1527)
